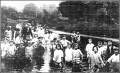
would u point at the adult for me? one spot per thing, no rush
(96, 59)
(109, 50)
(27, 32)
(114, 60)
(38, 53)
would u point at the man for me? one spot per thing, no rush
(19, 61)
(64, 42)
(38, 53)
(99, 46)
(109, 50)
(27, 32)
(114, 60)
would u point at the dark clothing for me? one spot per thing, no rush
(20, 60)
(38, 56)
(69, 64)
(26, 32)
(76, 67)
(109, 51)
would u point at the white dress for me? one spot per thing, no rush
(58, 54)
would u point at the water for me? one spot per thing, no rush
(46, 57)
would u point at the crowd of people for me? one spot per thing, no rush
(27, 43)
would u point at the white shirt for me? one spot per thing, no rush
(58, 54)
(68, 54)
(11, 49)
(102, 50)
(18, 40)
(9, 34)
(19, 26)
(4, 48)
(114, 58)
(96, 59)
(64, 43)
(89, 48)
(28, 51)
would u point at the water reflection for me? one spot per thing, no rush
(46, 57)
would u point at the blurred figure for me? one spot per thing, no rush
(76, 54)
(64, 42)
(18, 39)
(58, 57)
(68, 55)
(102, 51)
(73, 37)
(38, 53)
(12, 49)
(4, 47)
(35, 39)
(99, 45)
(89, 47)
(8, 33)
(109, 50)
(27, 32)
(77, 58)
(29, 51)
(96, 60)
(114, 60)
(17, 31)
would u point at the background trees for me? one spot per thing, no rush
(30, 10)
(92, 18)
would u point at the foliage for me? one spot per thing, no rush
(93, 18)
(30, 10)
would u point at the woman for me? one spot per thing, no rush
(96, 60)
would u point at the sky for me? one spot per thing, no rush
(19, 5)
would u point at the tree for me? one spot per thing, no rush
(72, 9)
(100, 16)
(30, 10)
(9, 12)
